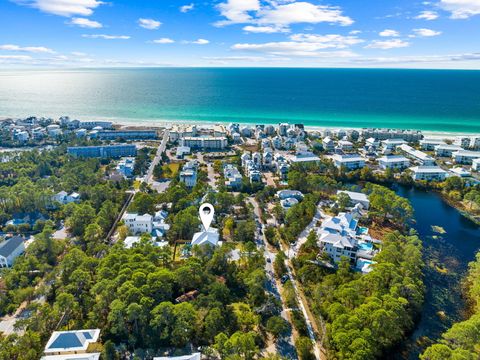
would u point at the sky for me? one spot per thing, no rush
(230, 33)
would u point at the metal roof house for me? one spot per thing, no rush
(71, 342)
(10, 249)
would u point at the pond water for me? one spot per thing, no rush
(450, 242)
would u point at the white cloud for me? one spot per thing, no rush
(200, 42)
(163, 41)
(237, 11)
(427, 59)
(292, 48)
(387, 44)
(15, 57)
(32, 49)
(246, 58)
(327, 41)
(389, 33)
(427, 15)
(425, 33)
(86, 23)
(305, 45)
(63, 7)
(264, 29)
(461, 9)
(187, 8)
(302, 12)
(279, 14)
(106, 37)
(78, 53)
(149, 24)
(355, 32)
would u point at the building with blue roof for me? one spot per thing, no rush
(71, 342)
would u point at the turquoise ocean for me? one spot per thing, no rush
(433, 100)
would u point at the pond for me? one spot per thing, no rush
(450, 242)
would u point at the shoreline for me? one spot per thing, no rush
(207, 124)
(162, 123)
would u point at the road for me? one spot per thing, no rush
(286, 346)
(158, 156)
(302, 238)
(148, 178)
(319, 354)
(212, 180)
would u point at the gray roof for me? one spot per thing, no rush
(9, 246)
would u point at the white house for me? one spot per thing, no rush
(465, 157)
(345, 145)
(429, 144)
(305, 157)
(336, 237)
(267, 157)
(64, 198)
(356, 198)
(126, 166)
(288, 203)
(130, 241)
(463, 141)
(340, 236)
(182, 151)
(428, 173)
(188, 175)
(11, 249)
(445, 150)
(416, 155)
(372, 142)
(71, 342)
(209, 237)
(476, 164)
(139, 224)
(328, 144)
(233, 178)
(286, 194)
(461, 172)
(390, 145)
(351, 162)
(393, 162)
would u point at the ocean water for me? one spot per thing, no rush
(434, 100)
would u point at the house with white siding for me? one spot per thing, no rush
(465, 156)
(351, 162)
(416, 155)
(10, 249)
(428, 173)
(446, 150)
(393, 162)
(429, 144)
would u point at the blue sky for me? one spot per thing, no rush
(307, 33)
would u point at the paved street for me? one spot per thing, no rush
(316, 346)
(212, 179)
(285, 347)
(302, 238)
(149, 176)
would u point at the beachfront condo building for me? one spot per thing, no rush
(445, 150)
(128, 135)
(106, 151)
(465, 156)
(206, 143)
